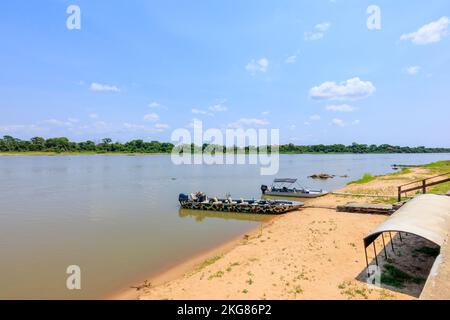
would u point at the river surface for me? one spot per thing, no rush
(118, 217)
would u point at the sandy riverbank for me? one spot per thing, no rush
(307, 254)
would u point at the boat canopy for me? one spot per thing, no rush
(285, 180)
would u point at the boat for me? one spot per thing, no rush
(290, 188)
(199, 201)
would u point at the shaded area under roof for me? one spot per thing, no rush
(427, 216)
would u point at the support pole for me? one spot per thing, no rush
(424, 186)
(392, 241)
(399, 194)
(400, 234)
(375, 251)
(367, 261)
(384, 247)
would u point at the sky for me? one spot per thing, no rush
(312, 69)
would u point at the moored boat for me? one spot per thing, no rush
(290, 188)
(199, 201)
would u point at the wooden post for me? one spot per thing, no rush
(424, 186)
(399, 194)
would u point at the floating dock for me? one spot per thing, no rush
(370, 208)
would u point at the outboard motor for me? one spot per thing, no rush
(264, 188)
(183, 197)
(201, 197)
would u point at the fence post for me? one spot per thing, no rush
(424, 186)
(399, 194)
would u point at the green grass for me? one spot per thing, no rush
(439, 167)
(399, 173)
(433, 252)
(438, 164)
(207, 262)
(390, 200)
(440, 188)
(367, 177)
(394, 277)
(218, 274)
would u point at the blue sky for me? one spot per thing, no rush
(140, 69)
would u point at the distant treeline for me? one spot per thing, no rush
(59, 145)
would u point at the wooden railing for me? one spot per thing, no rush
(422, 184)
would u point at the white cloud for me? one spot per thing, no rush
(156, 105)
(323, 27)
(133, 127)
(151, 117)
(101, 125)
(351, 89)
(59, 123)
(338, 122)
(199, 111)
(292, 127)
(318, 33)
(54, 122)
(248, 122)
(255, 66)
(291, 59)
(136, 127)
(430, 33)
(340, 108)
(265, 113)
(218, 108)
(315, 117)
(161, 126)
(306, 123)
(98, 87)
(356, 122)
(21, 128)
(93, 116)
(412, 70)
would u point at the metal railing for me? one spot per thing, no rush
(422, 184)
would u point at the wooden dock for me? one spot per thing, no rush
(370, 208)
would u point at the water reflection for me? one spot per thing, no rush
(201, 215)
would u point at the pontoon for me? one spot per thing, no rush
(199, 201)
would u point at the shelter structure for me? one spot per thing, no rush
(426, 216)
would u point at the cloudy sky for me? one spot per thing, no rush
(313, 69)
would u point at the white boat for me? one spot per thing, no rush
(290, 188)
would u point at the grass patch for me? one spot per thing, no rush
(218, 274)
(403, 171)
(394, 277)
(391, 200)
(367, 177)
(440, 188)
(439, 165)
(207, 262)
(352, 291)
(433, 252)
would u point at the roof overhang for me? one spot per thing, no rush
(427, 216)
